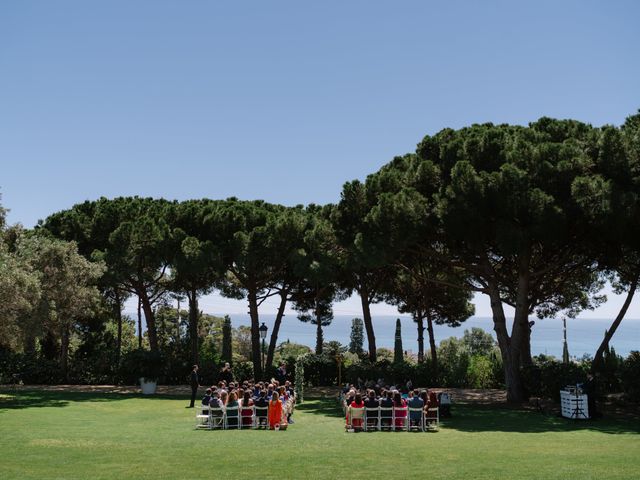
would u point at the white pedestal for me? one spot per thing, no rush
(574, 406)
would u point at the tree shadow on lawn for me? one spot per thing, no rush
(11, 400)
(481, 418)
(485, 418)
(327, 407)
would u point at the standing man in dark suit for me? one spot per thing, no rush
(195, 383)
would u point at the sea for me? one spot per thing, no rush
(583, 335)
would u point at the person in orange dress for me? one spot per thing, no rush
(275, 411)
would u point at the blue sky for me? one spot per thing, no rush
(283, 101)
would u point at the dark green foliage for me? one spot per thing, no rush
(630, 376)
(478, 342)
(547, 376)
(454, 361)
(142, 364)
(227, 353)
(243, 371)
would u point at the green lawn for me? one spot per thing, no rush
(96, 436)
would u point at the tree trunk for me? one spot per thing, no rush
(139, 323)
(432, 346)
(319, 336)
(368, 323)
(118, 313)
(193, 325)
(420, 321)
(276, 328)
(525, 348)
(598, 358)
(512, 378)
(255, 334)
(64, 352)
(150, 320)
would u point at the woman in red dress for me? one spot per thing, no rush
(399, 404)
(247, 410)
(357, 403)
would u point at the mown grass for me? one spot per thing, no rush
(45, 435)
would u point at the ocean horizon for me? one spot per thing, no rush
(583, 335)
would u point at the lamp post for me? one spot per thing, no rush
(263, 334)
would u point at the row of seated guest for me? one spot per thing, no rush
(236, 402)
(392, 399)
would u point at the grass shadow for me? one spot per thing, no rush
(327, 407)
(475, 418)
(12, 400)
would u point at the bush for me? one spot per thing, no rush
(630, 376)
(547, 376)
(141, 364)
(242, 371)
(28, 369)
(480, 372)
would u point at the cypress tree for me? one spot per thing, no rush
(398, 353)
(227, 352)
(357, 336)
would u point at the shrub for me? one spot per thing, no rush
(141, 364)
(480, 372)
(630, 376)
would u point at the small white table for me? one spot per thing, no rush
(574, 405)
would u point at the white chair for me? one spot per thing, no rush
(372, 418)
(432, 418)
(261, 417)
(416, 422)
(203, 417)
(233, 412)
(216, 417)
(404, 418)
(386, 415)
(354, 413)
(244, 416)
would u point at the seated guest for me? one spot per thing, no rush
(232, 415)
(289, 388)
(270, 389)
(371, 401)
(424, 396)
(398, 405)
(357, 403)
(256, 390)
(206, 398)
(214, 401)
(262, 401)
(386, 402)
(415, 402)
(247, 411)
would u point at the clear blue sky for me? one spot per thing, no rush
(282, 101)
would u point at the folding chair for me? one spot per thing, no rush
(261, 417)
(203, 417)
(386, 415)
(233, 412)
(417, 419)
(432, 418)
(357, 414)
(372, 418)
(404, 419)
(247, 416)
(216, 417)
